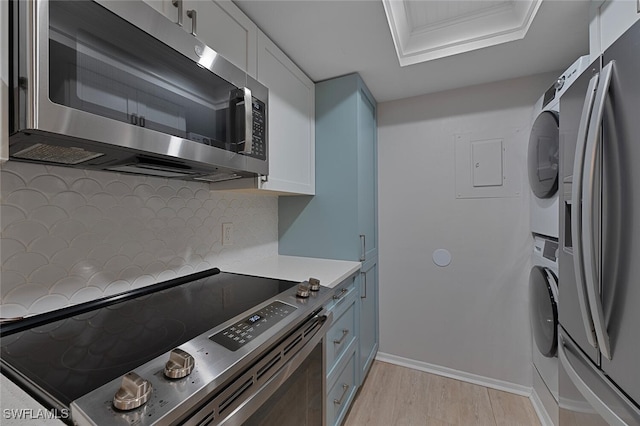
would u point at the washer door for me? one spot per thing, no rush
(543, 156)
(543, 297)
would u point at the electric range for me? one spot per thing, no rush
(175, 352)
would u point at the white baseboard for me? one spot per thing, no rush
(538, 406)
(455, 374)
(476, 379)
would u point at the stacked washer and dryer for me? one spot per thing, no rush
(543, 159)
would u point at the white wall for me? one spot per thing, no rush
(471, 316)
(69, 236)
(608, 20)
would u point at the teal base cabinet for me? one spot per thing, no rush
(341, 352)
(341, 220)
(368, 317)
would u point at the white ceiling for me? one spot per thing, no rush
(329, 38)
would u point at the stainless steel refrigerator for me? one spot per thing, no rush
(599, 286)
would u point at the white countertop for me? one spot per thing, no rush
(294, 268)
(15, 402)
(18, 408)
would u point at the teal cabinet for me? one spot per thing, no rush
(341, 352)
(369, 327)
(341, 220)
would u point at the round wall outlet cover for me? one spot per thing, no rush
(442, 257)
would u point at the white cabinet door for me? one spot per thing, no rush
(609, 20)
(226, 29)
(291, 121)
(165, 7)
(220, 25)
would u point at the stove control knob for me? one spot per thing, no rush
(133, 392)
(314, 284)
(180, 364)
(303, 290)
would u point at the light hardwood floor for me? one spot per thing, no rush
(398, 396)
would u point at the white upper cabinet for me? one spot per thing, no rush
(225, 28)
(162, 6)
(219, 24)
(609, 20)
(291, 121)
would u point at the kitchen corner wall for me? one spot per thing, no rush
(471, 316)
(70, 236)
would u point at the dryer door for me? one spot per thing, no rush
(543, 298)
(543, 156)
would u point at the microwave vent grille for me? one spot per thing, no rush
(56, 154)
(218, 177)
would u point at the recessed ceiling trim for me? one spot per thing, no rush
(464, 17)
(454, 34)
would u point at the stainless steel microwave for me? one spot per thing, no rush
(115, 85)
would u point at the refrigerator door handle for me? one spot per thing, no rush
(604, 398)
(592, 280)
(576, 212)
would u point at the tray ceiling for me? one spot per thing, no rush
(329, 38)
(424, 30)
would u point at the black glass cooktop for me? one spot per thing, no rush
(67, 354)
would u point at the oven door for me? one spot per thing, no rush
(284, 387)
(298, 400)
(113, 84)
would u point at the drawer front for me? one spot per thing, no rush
(340, 336)
(343, 294)
(341, 393)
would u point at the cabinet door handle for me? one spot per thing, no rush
(134, 119)
(364, 276)
(194, 21)
(178, 4)
(345, 332)
(142, 121)
(340, 295)
(363, 248)
(345, 389)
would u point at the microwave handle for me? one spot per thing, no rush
(248, 122)
(178, 4)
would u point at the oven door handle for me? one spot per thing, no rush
(255, 401)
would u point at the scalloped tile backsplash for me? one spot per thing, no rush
(70, 236)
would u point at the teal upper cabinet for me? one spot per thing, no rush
(367, 175)
(340, 222)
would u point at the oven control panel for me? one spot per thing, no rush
(241, 333)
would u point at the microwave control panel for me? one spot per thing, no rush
(259, 149)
